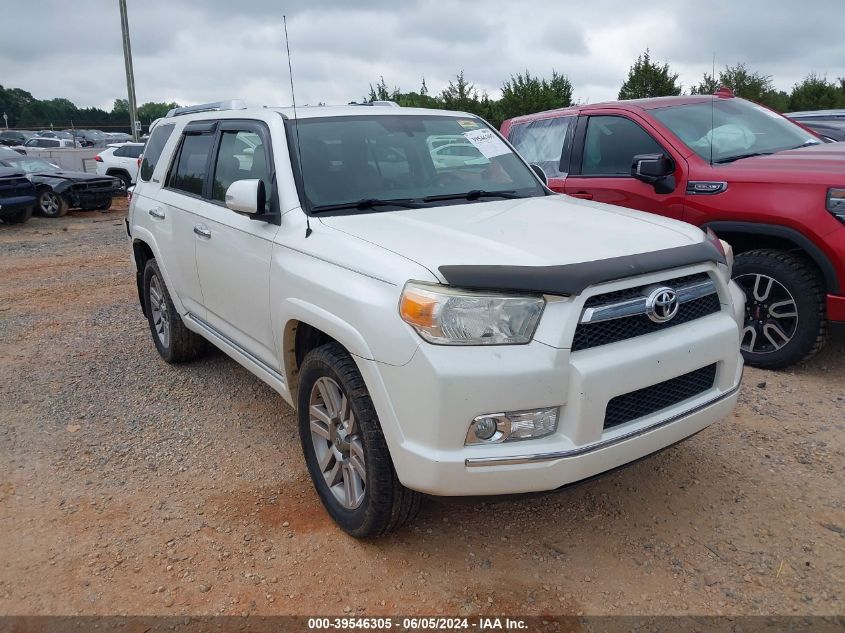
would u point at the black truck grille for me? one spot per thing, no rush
(589, 335)
(94, 186)
(642, 402)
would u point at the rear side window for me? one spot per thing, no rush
(132, 151)
(546, 143)
(153, 149)
(611, 144)
(188, 174)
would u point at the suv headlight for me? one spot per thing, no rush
(835, 203)
(448, 316)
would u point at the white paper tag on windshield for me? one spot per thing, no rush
(487, 143)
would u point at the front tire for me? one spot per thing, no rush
(785, 308)
(345, 449)
(175, 342)
(52, 204)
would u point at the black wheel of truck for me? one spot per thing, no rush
(18, 218)
(127, 182)
(52, 204)
(104, 206)
(784, 309)
(175, 342)
(345, 450)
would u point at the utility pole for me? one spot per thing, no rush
(130, 75)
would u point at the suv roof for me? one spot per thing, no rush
(237, 109)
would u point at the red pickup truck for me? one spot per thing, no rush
(769, 187)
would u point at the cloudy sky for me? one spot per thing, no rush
(191, 52)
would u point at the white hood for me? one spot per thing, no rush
(554, 230)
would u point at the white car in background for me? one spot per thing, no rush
(121, 161)
(43, 142)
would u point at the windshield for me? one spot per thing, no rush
(409, 158)
(733, 128)
(30, 164)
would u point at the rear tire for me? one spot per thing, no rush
(127, 182)
(343, 443)
(51, 204)
(175, 342)
(20, 217)
(785, 308)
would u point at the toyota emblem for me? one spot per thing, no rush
(662, 305)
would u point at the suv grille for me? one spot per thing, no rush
(589, 335)
(642, 402)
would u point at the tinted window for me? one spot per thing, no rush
(132, 151)
(242, 156)
(119, 151)
(546, 143)
(153, 149)
(611, 144)
(188, 174)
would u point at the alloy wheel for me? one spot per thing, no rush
(771, 314)
(50, 203)
(158, 307)
(337, 442)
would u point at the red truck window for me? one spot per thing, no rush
(546, 142)
(611, 144)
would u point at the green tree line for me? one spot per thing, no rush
(523, 93)
(26, 112)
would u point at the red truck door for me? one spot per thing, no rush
(603, 149)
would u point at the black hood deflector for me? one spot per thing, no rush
(573, 279)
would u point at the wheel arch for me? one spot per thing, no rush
(746, 236)
(305, 331)
(143, 249)
(114, 171)
(142, 253)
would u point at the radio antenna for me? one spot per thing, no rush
(712, 108)
(308, 230)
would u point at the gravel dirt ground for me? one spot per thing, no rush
(132, 486)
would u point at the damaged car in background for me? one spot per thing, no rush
(59, 190)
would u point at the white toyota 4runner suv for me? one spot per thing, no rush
(449, 327)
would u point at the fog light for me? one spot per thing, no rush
(485, 428)
(512, 426)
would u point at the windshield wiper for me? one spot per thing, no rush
(367, 203)
(474, 194)
(730, 159)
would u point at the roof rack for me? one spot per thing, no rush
(231, 104)
(391, 104)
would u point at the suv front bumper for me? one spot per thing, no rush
(434, 397)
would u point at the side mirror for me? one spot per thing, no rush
(246, 196)
(540, 174)
(651, 168)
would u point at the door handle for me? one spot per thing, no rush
(156, 212)
(584, 195)
(202, 230)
